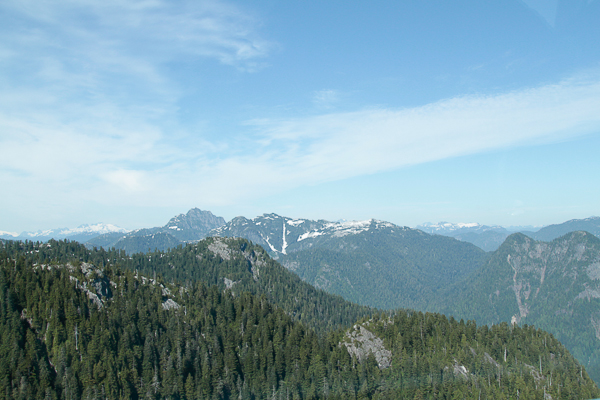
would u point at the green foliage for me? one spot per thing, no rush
(71, 329)
(555, 284)
(385, 268)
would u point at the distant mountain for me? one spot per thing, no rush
(488, 238)
(8, 235)
(79, 234)
(449, 228)
(555, 286)
(181, 229)
(551, 232)
(192, 226)
(370, 262)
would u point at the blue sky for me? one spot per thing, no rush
(130, 112)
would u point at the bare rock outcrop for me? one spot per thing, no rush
(361, 343)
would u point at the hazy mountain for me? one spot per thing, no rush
(370, 262)
(81, 234)
(551, 232)
(450, 229)
(488, 238)
(8, 235)
(555, 286)
(181, 229)
(193, 226)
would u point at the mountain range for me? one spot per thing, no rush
(489, 238)
(379, 264)
(181, 229)
(86, 323)
(369, 262)
(81, 234)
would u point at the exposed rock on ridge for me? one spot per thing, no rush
(361, 343)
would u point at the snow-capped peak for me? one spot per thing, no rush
(99, 228)
(13, 234)
(340, 229)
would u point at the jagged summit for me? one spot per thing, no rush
(183, 228)
(282, 235)
(195, 219)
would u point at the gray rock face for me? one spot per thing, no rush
(170, 304)
(194, 225)
(221, 248)
(361, 343)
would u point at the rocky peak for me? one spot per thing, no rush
(195, 219)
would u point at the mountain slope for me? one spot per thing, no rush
(228, 263)
(371, 262)
(551, 232)
(73, 329)
(555, 286)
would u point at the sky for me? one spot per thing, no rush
(131, 112)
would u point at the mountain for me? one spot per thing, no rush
(193, 226)
(8, 235)
(229, 263)
(80, 234)
(180, 229)
(72, 328)
(449, 228)
(551, 232)
(372, 262)
(488, 238)
(555, 286)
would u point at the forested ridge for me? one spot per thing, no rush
(75, 324)
(553, 285)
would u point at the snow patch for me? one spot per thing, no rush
(310, 235)
(284, 245)
(295, 222)
(266, 239)
(13, 234)
(341, 229)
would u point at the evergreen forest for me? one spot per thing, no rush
(219, 320)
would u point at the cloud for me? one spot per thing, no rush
(340, 145)
(276, 155)
(104, 31)
(88, 103)
(88, 114)
(545, 8)
(326, 98)
(129, 161)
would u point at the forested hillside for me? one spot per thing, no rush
(374, 263)
(227, 263)
(73, 328)
(553, 285)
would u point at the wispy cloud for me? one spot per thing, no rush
(326, 98)
(328, 147)
(87, 113)
(145, 167)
